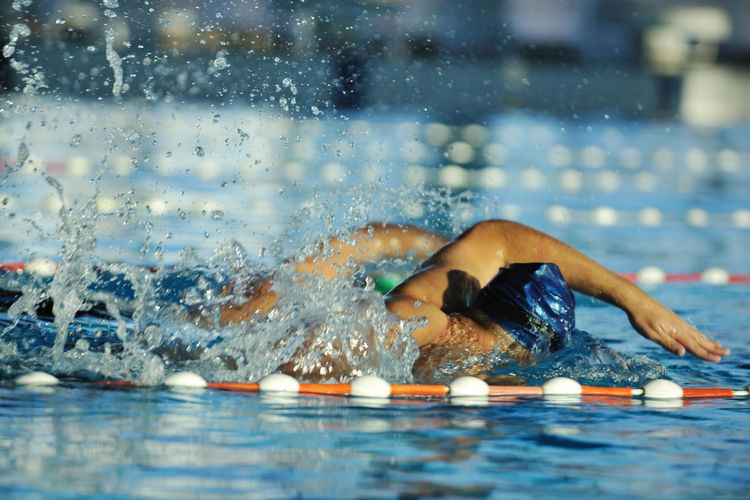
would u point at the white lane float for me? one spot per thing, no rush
(185, 380)
(37, 379)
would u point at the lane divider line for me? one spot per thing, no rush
(649, 275)
(375, 387)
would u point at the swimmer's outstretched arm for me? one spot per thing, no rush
(369, 243)
(487, 246)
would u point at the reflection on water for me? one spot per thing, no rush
(154, 443)
(206, 141)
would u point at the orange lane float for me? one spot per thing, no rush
(627, 392)
(234, 386)
(709, 392)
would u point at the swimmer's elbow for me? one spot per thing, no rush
(435, 321)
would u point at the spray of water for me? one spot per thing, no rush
(150, 322)
(114, 60)
(319, 330)
(166, 319)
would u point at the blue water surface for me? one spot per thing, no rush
(83, 439)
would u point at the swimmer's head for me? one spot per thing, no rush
(532, 302)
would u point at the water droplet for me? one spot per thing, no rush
(110, 4)
(23, 153)
(216, 118)
(217, 214)
(20, 4)
(243, 135)
(82, 345)
(220, 63)
(199, 152)
(75, 141)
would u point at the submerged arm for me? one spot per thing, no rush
(489, 245)
(369, 243)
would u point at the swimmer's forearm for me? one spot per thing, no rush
(493, 244)
(517, 243)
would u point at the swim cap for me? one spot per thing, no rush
(532, 302)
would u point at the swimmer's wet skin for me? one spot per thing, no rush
(446, 288)
(451, 280)
(500, 286)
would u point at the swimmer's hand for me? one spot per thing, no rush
(659, 324)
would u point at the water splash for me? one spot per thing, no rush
(114, 60)
(76, 272)
(32, 77)
(319, 330)
(18, 31)
(19, 5)
(166, 319)
(588, 360)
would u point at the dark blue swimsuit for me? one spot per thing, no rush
(532, 303)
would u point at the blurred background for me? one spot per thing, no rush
(185, 120)
(457, 61)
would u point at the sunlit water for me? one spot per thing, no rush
(82, 439)
(149, 207)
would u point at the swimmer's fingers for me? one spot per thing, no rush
(700, 345)
(664, 327)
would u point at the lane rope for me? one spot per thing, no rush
(649, 275)
(601, 216)
(376, 387)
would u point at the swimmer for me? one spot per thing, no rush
(499, 286)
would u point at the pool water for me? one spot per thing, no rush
(630, 195)
(80, 440)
